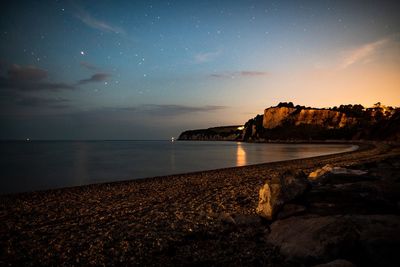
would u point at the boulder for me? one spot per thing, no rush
(379, 242)
(291, 210)
(313, 239)
(366, 240)
(337, 263)
(329, 169)
(280, 190)
(340, 170)
(315, 175)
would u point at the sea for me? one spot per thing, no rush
(39, 165)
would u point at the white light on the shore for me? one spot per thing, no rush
(240, 128)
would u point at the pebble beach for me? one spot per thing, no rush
(204, 218)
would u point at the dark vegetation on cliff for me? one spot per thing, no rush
(289, 122)
(225, 133)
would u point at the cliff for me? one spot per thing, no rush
(277, 116)
(289, 122)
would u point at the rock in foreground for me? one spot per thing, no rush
(347, 214)
(336, 263)
(278, 191)
(314, 239)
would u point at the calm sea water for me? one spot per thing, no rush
(37, 165)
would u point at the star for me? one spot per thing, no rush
(82, 53)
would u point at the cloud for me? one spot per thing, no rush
(21, 82)
(253, 73)
(29, 78)
(98, 77)
(172, 110)
(206, 57)
(32, 101)
(234, 74)
(363, 53)
(89, 66)
(28, 73)
(97, 24)
(15, 99)
(161, 110)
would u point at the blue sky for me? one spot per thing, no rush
(151, 69)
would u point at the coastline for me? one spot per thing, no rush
(64, 169)
(141, 222)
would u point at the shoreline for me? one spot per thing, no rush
(360, 146)
(174, 220)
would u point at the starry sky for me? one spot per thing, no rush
(151, 69)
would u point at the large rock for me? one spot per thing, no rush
(280, 190)
(313, 239)
(336, 263)
(379, 242)
(290, 210)
(329, 169)
(318, 173)
(367, 240)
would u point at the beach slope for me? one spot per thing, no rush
(204, 218)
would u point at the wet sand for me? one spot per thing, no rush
(173, 220)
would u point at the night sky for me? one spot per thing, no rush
(151, 69)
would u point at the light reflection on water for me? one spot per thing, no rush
(28, 166)
(240, 155)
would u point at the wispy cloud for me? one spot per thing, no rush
(98, 77)
(97, 24)
(206, 56)
(234, 74)
(89, 66)
(17, 99)
(363, 53)
(158, 110)
(144, 113)
(28, 73)
(33, 86)
(33, 101)
(172, 110)
(169, 110)
(30, 78)
(23, 86)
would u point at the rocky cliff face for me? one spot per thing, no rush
(289, 122)
(278, 116)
